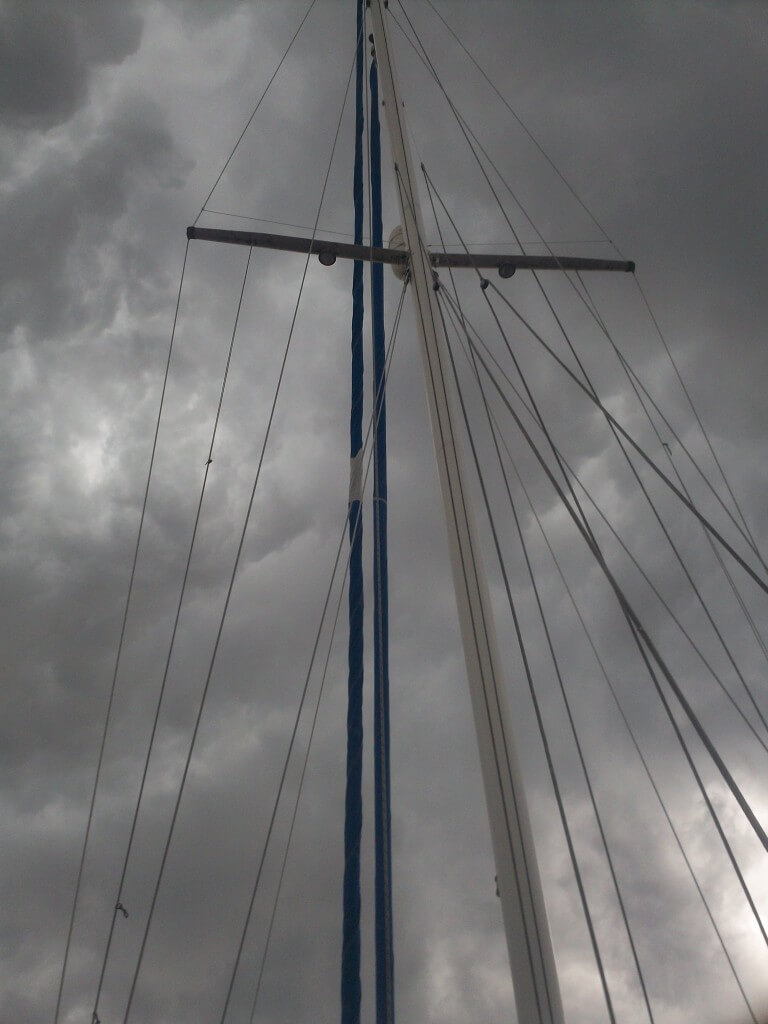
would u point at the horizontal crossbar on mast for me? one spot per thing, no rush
(328, 252)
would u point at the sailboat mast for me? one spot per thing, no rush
(529, 943)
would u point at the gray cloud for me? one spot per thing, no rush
(653, 112)
(49, 52)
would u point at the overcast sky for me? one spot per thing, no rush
(117, 116)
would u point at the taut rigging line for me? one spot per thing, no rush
(466, 326)
(498, 435)
(635, 622)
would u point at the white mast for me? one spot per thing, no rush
(537, 993)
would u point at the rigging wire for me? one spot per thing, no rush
(636, 745)
(534, 698)
(287, 759)
(640, 634)
(469, 137)
(467, 132)
(695, 588)
(637, 384)
(742, 529)
(620, 540)
(527, 131)
(638, 631)
(561, 685)
(209, 460)
(367, 454)
(742, 526)
(278, 223)
(421, 52)
(594, 396)
(473, 142)
(585, 387)
(589, 390)
(121, 640)
(643, 640)
(236, 564)
(729, 578)
(255, 110)
(698, 420)
(350, 234)
(510, 809)
(614, 694)
(572, 513)
(658, 329)
(510, 806)
(689, 577)
(712, 530)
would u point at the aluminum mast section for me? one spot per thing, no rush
(531, 958)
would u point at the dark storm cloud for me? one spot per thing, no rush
(59, 221)
(634, 102)
(49, 52)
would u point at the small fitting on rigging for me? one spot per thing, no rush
(397, 241)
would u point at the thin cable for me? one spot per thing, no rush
(635, 743)
(745, 534)
(349, 234)
(209, 460)
(637, 386)
(594, 396)
(636, 626)
(641, 633)
(731, 582)
(615, 697)
(697, 592)
(287, 759)
(471, 138)
(466, 130)
(118, 655)
(255, 110)
(485, 284)
(618, 538)
(489, 685)
(697, 417)
(643, 641)
(729, 578)
(236, 564)
(278, 223)
(534, 698)
(474, 144)
(527, 131)
(368, 453)
(495, 685)
(531, 399)
(634, 444)
(589, 304)
(294, 815)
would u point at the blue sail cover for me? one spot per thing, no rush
(353, 810)
(385, 961)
